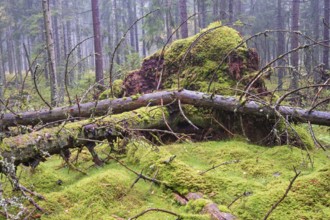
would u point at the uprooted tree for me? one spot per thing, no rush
(191, 74)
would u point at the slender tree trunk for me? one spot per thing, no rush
(2, 75)
(144, 50)
(3, 66)
(50, 52)
(56, 35)
(130, 22)
(203, 13)
(117, 32)
(197, 18)
(79, 49)
(69, 43)
(231, 11)
(9, 51)
(326, 33)
(223, 8)
(216, 16)
(63, 52)
(183, 16)
(168, 16)
(238, 8)
(97, 42)
(295, 41)
(136, 29)
(280, 42)
(316, 26)
(18, 53)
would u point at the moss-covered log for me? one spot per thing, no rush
(34, 147)
(199, 99)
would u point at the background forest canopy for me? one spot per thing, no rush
(23, 36)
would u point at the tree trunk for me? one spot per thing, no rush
(70, 77)
(183, 18)
(31, 148)
(295, 42)
(231, 11)
(136, 29)
(2, 75)
(79, 49)
(97, 42)
(117, 32)
(62, 50)
(9, 51)
(202, 10)
(280, 43)
(144, 50)
(216, 16)
(198, 99)
(197, 18)
(223, 8)
(168, 18)
(130, 22)
(50, 52)
(326, 33)
(316, 34)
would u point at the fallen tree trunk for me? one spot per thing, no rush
(199, 99)
(31, 148)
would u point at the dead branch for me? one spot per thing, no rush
(219, 165)
(285, 194)
(155, 210)
(37, 89)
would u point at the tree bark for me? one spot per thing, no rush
(50, 52)
(231, 11)
(223, 8)
(31, 148)
(183, 18)
(295, 42)
(97, 42)
(326, 33)
(280, 43)
(198, 99)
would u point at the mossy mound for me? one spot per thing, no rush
(263, 174)
(217, 50)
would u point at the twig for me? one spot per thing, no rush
(316, 142)
(156, 210)
(70, 165)
(37, 89)
(223, 127)
(219, 165)
(278, 102)
(9, 109)
(67, 66)
(238, 197)
(318, 104)
(285, 194)
(185, 117)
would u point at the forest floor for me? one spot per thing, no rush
(262, 173)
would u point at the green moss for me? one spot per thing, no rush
(196, 59)
(196, 206)
(117, 90)
(135, 97)
(263, 172)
